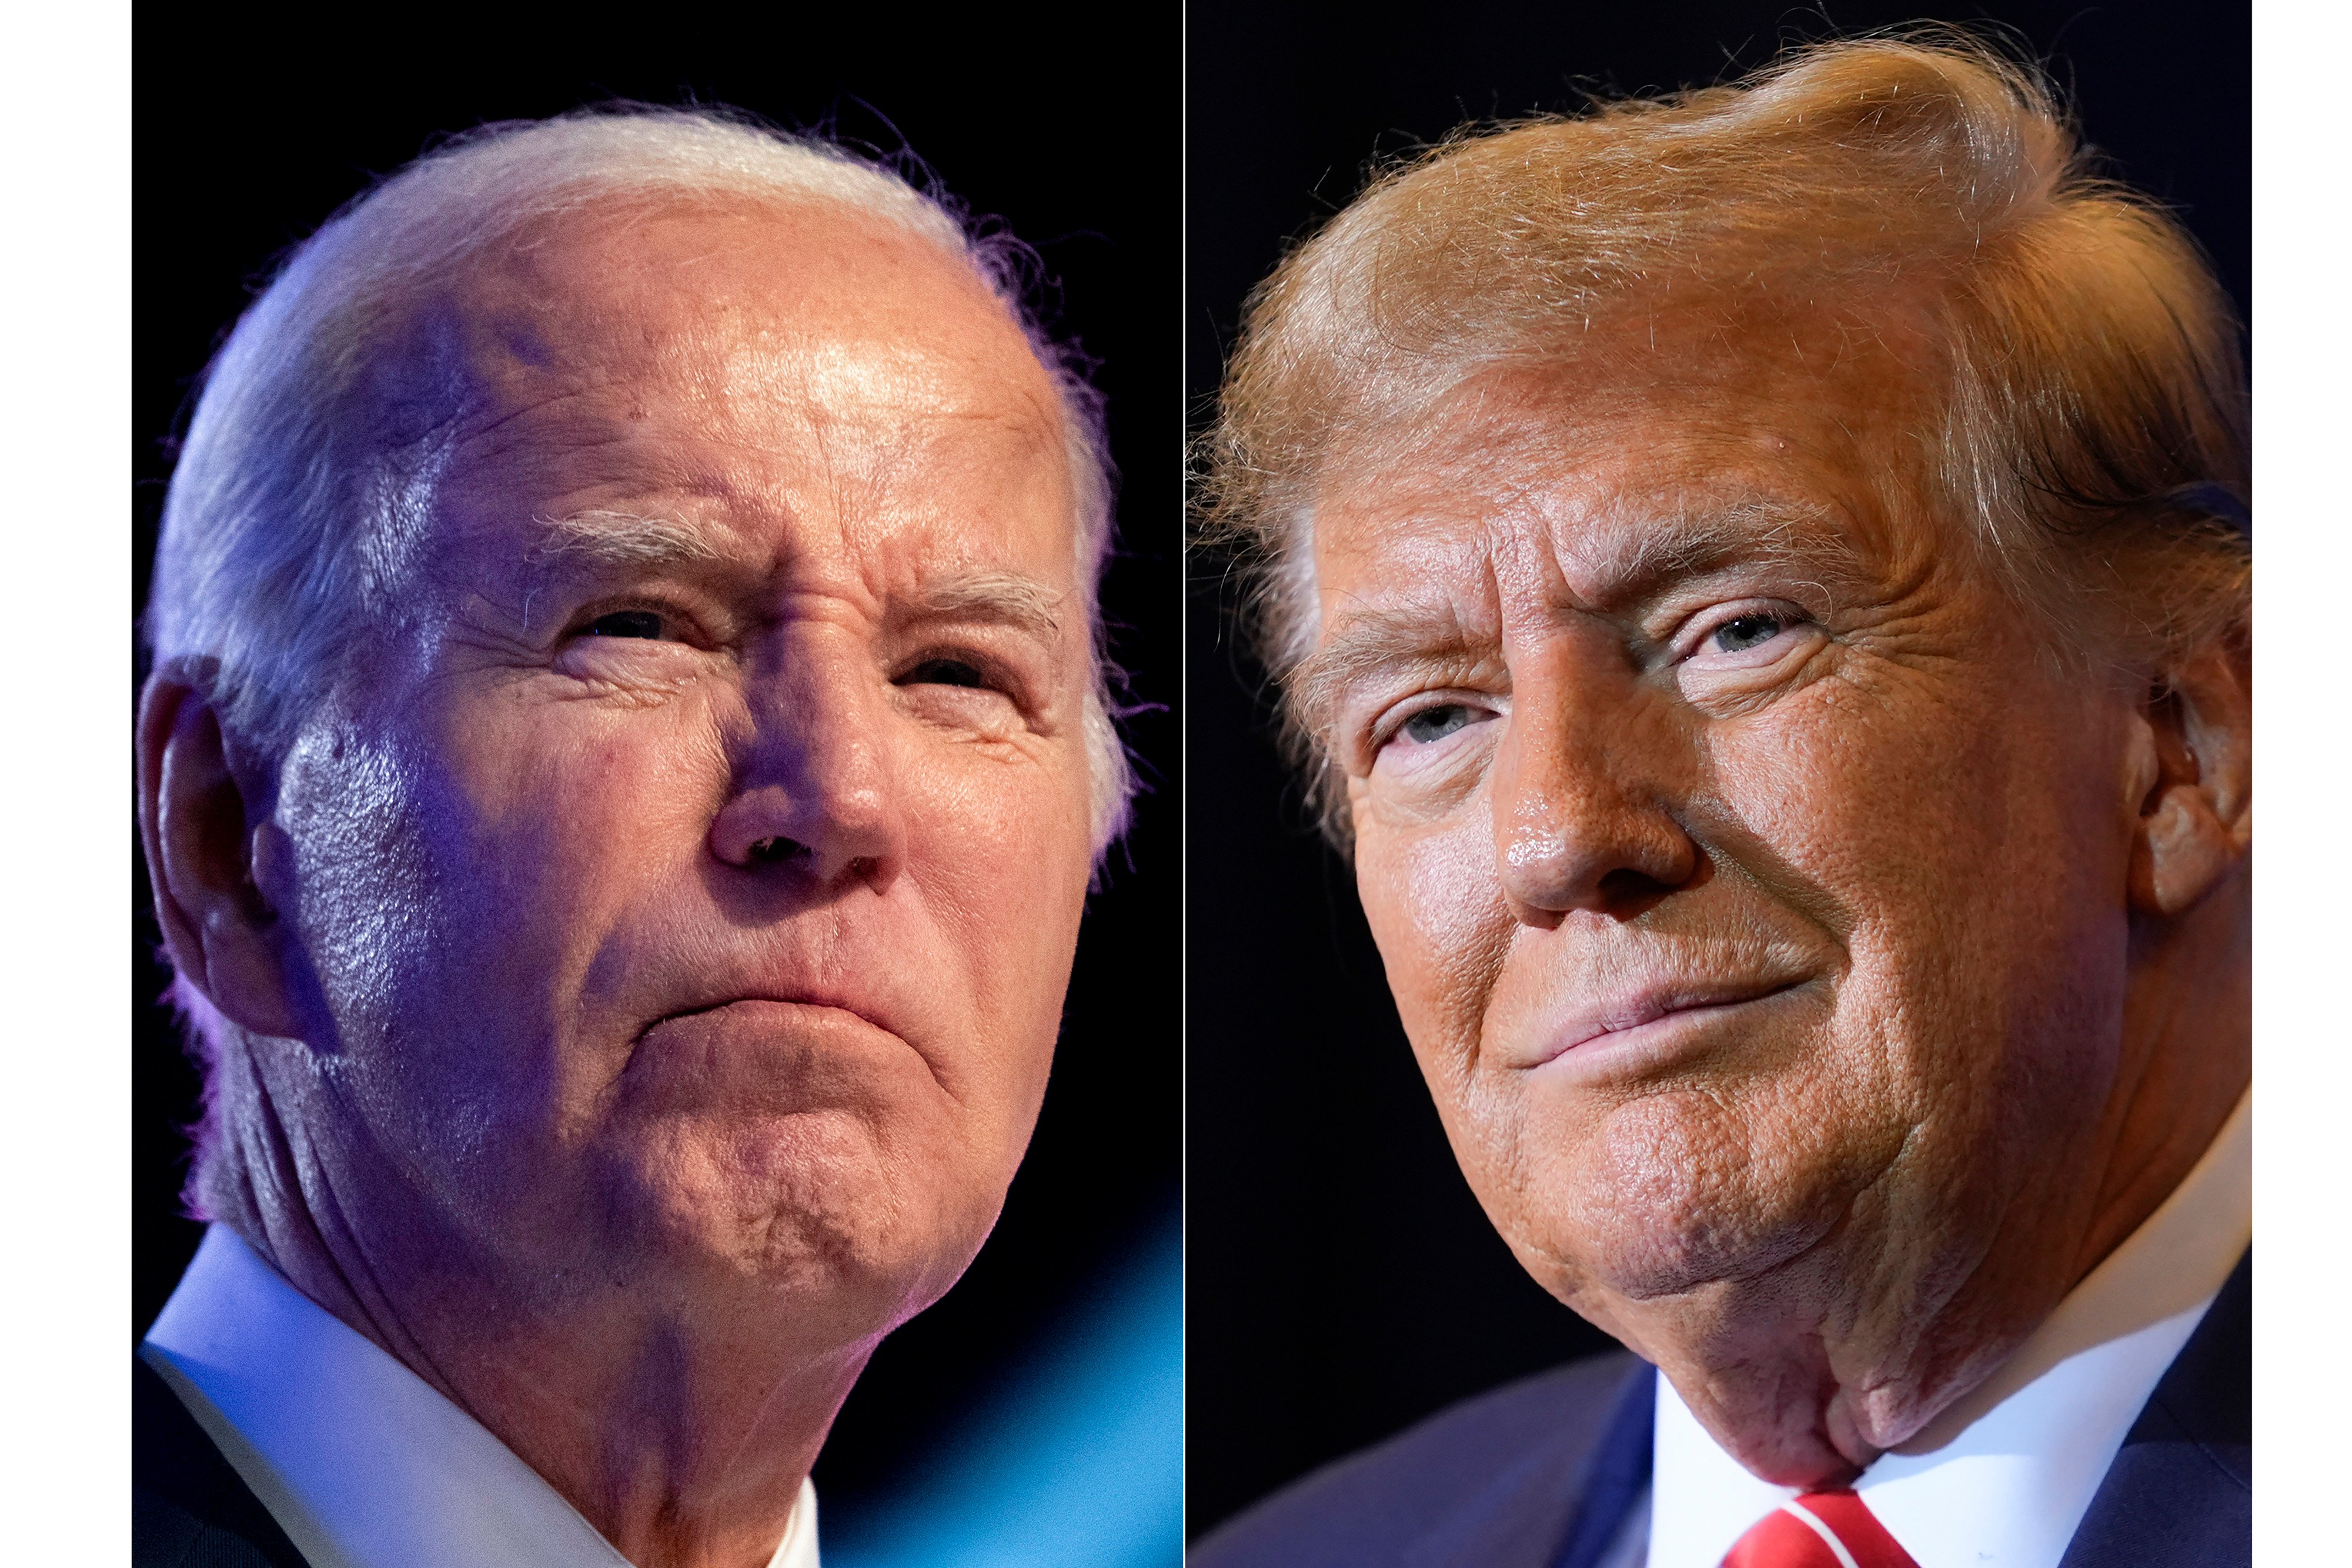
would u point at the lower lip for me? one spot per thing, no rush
(1649, 1044)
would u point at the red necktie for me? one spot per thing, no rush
(1819, 1529)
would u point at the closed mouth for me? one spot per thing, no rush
(816, 1003)
(1635, 1015)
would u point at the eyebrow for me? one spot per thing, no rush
(618, 538)
(1372, 642)
(1004, 597)
(1762, 533)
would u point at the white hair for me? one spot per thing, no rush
(291, 513)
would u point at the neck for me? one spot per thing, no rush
(1808, 1371)
(679, 1422)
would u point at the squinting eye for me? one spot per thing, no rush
(1748, 632)
(624, 624)
(1433, 724)
(943, 672)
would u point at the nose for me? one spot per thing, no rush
(815, 794)
(1583, 803)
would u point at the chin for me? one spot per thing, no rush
(1667, 1197)
(807, 1209)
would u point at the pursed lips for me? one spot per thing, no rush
(861, 1008)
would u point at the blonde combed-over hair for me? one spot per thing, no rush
(2094, 423)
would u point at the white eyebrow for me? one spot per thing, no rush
(607, 540)
(618, 538)
(1006, 597)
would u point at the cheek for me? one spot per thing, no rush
(471, 868)
(366, 877)
(584, 793)
(1970, 860)
(554, 830)
(1437, 914)
(1001, 850)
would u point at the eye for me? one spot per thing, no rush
(1750, 631)
(1434, 723)
(646, 623)
(944, 673)
(1744, 636)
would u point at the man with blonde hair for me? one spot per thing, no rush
(626, 751)
(1759, 583)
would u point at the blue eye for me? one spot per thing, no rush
(1433, 724)
(1748, 632)
(626, 623)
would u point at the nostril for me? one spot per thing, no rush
(770, 852)
(1626, 893)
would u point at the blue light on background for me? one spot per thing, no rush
(1080, 1464)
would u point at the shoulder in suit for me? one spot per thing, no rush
(1538, 1474)
(2181, 1494)
(189, 1508)
(1495, 1480)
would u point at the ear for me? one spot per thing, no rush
(2197, 803)
(202, 830)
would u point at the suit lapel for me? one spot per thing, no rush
(189, 1508)
(2180, 1492)
(1619, 1476)
(1553, 1510)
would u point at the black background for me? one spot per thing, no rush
(1342, 1281)
(244, 139)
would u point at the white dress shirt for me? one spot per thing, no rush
(363, 1463)
(2002, 1478)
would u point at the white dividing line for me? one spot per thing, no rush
(1818, 1527)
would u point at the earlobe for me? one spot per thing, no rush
(194, 822)
(2184, 852)
(2194, 779)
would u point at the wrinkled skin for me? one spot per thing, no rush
(1816, 973)
(660, 948)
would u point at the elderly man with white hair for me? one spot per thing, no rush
(625, 752)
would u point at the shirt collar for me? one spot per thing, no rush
(361, 1462)
(2003, 1477)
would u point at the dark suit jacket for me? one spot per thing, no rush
(188, 1508)
(1541, 1473)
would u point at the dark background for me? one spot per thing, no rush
(1341, 1281)
(243, 143)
